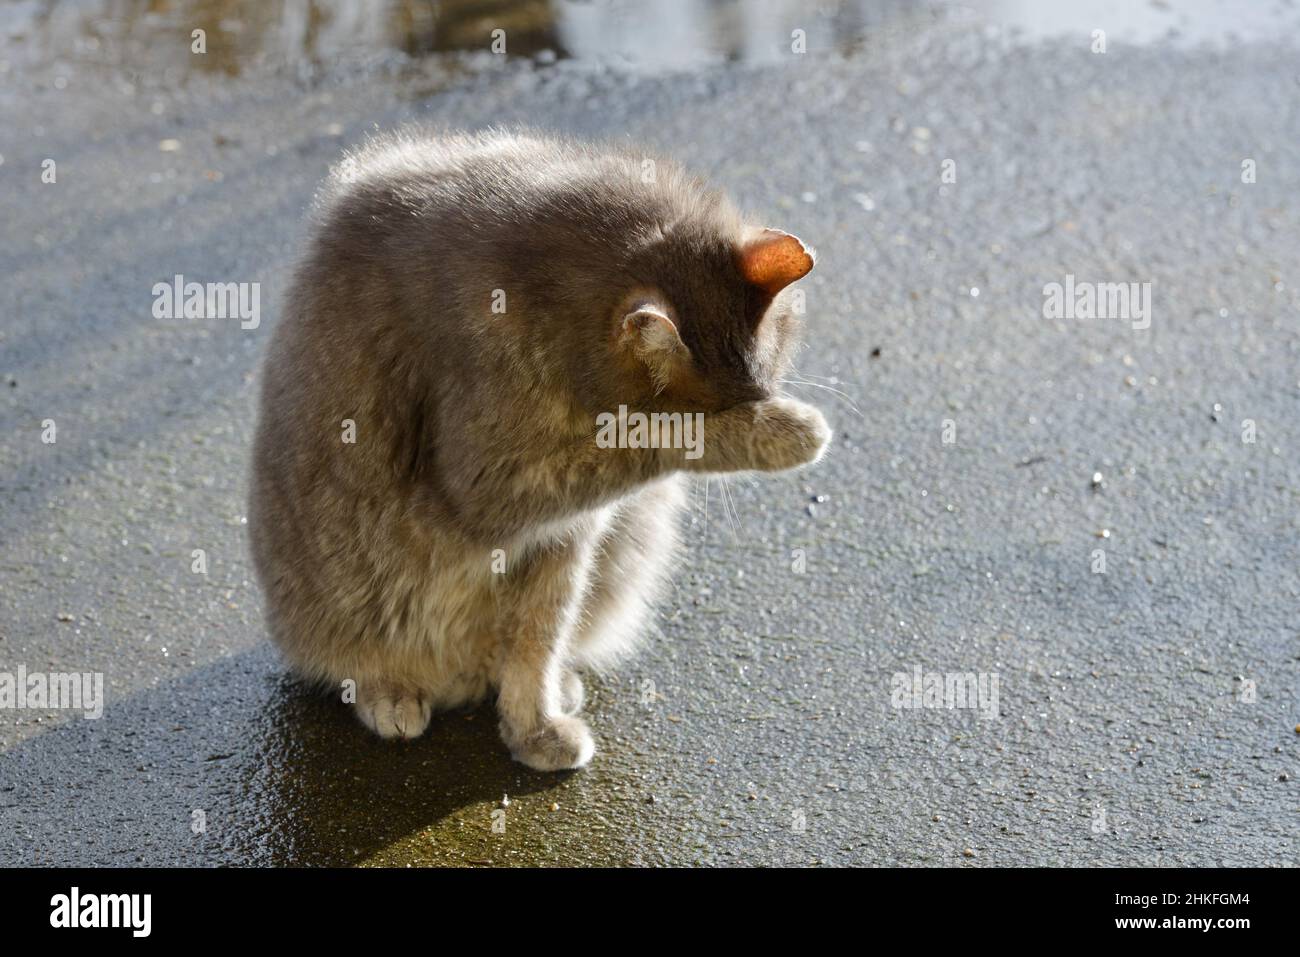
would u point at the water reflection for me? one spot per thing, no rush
(131, 36)
(241, 35)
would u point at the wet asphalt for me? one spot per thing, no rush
(1149, 714)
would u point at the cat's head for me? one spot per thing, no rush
(713, 322)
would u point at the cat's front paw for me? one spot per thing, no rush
(572, 694)
(560, 743)
(394, 714)
(786, 434)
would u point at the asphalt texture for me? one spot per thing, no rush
(1148, 714)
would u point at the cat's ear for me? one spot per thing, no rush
(650, 331)
(773, 259)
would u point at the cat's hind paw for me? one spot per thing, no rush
(394, 715)
(561, 743)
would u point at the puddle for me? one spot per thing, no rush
(1142, 22)
(129, 37)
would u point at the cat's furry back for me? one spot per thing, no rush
(431, 517)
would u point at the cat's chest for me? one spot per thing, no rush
(577, 530)
(467, 586)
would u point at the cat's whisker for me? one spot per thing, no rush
(809, 375)
(801, 380)
(729, 509)
(843, 396)
(722, 500)
(707, 481)
(811, 378)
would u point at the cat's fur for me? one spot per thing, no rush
(474, 537)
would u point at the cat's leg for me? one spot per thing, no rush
(319, 640)
(770, 435)
(540, 610)
(631, 572)
(573, 694)
(406, 664)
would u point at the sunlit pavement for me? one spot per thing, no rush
(1099, 515)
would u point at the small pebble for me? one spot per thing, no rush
(968, 853)
(554, 806)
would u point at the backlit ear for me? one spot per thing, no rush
(650, 331)
(773, 260)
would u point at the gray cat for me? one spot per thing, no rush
(434, 513)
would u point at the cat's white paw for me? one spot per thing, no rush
(572, 694)
(395, 715)
(561, 743)
(787, 433)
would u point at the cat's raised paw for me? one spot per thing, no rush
(561, 743)
(393, 715)
(787, 433)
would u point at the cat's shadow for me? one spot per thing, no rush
(236, 763)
